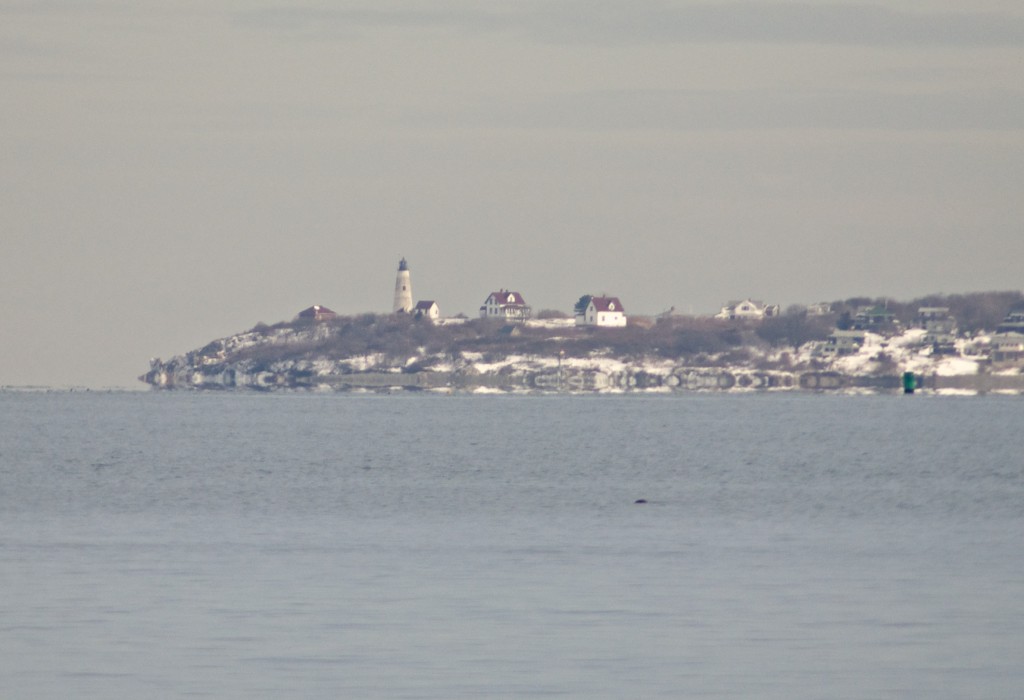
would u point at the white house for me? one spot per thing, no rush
(940, 328)
(842, 343)
(505, 305)
(426, 309)
(601, 311)
(748, 309)
(1007, 346)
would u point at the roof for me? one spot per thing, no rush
(755, 302)
(424, 305)
(506, 298)
(316, 311)
(607, 303)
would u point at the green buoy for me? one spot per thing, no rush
(909, 382)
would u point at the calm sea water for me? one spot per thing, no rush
(310, 546)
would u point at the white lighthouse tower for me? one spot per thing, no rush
(403, 289)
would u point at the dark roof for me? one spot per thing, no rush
(502, 298)
(607, 304)
(424, 305)
(316, 311)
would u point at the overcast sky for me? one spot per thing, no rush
(176, 172)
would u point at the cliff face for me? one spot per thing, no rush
(383, 353)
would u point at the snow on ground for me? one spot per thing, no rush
(488, 390)
(606, 365)
(952, 366)
(659, 365)
(324, 366)
(439, 362)
(900, 353)
(924, 362)
(363, 363)
(861, 362)
(879, 354)
(518, 361)
(243, 341)
(550, 323)
(907, 352)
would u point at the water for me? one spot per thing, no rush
(237, 546)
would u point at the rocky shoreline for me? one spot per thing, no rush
(388, 353)
(682, 379)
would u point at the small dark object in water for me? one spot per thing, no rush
(640, 500)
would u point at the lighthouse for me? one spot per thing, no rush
(403, 289)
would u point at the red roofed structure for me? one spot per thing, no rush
(505, 305)
(601, 311)
(317, 313)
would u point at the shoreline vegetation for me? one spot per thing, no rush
(550, 354)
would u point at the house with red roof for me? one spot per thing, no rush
(316, 313)
(506, 306)
(600, 311)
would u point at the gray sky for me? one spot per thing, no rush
(175, 172)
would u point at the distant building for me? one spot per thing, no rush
(874, 318)
(1007, 343)
(403, 289)
(747, 310)
(505, 305)
(600, 311)
(426, 309)
(940, 329)
(931, 313)
(316, 313)
(822, 308)
(1014, 321)
(1007, 347)
(842, 343)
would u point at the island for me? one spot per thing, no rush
(971, 343)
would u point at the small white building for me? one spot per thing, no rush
(842, 343)
(1007, 346)
(426, 309)
(748, 310)
(601, 311)
(506, 306)
(940, 328)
